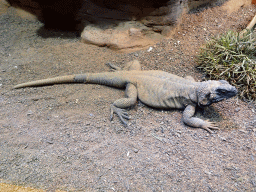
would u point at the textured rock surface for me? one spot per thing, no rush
(126, 35)
(109, 23)
(3, 6)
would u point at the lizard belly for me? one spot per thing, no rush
(160, 97)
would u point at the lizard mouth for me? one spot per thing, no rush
(208, 101)
(215, 100)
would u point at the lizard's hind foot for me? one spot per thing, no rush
(121, 113)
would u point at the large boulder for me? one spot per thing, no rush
(118, 24)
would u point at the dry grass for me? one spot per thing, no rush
(232, 58)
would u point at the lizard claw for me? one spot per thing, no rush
(209, 125)
(121, 113)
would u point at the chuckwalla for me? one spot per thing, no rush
(154, 88)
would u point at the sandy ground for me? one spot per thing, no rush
(60, 137)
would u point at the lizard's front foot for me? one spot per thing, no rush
(120, 112)
(209, 125)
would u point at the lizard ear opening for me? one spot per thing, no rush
(204, 98)
(204, 94)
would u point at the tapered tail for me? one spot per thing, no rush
(50, 81)
(106, 78)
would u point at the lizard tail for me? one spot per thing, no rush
(50, 81)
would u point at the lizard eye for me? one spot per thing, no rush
(223, 91)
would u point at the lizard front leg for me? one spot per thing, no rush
(196, 122)
(119, 105)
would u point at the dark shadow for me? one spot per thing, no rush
(208, 112)
(207, 5)
(59, 16)
(51, 33)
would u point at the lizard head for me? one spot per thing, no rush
(214, 91)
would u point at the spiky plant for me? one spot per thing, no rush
(232, 57)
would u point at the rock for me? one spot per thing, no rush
(4, 5)
(127, 35)
(29, 113)
(134, 32)
(135, 150)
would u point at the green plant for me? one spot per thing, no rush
(232, 57)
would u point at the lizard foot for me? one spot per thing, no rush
(114, 67)
(209, 125)
(121, 113)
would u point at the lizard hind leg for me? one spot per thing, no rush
(119, 105)
(133, 65)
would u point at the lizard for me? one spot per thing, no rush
(155, 88)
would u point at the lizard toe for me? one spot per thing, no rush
(208, 125)
(207, 129)
(121, 113)
(212, 125)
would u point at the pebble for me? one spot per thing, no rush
(49, 141)
(241, 130)
(223, 138)
(237, 109)
(135, 150)
(29, 113)
(150, 49)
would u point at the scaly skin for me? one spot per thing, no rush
(157, 89)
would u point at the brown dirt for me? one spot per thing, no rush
(60, 137)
